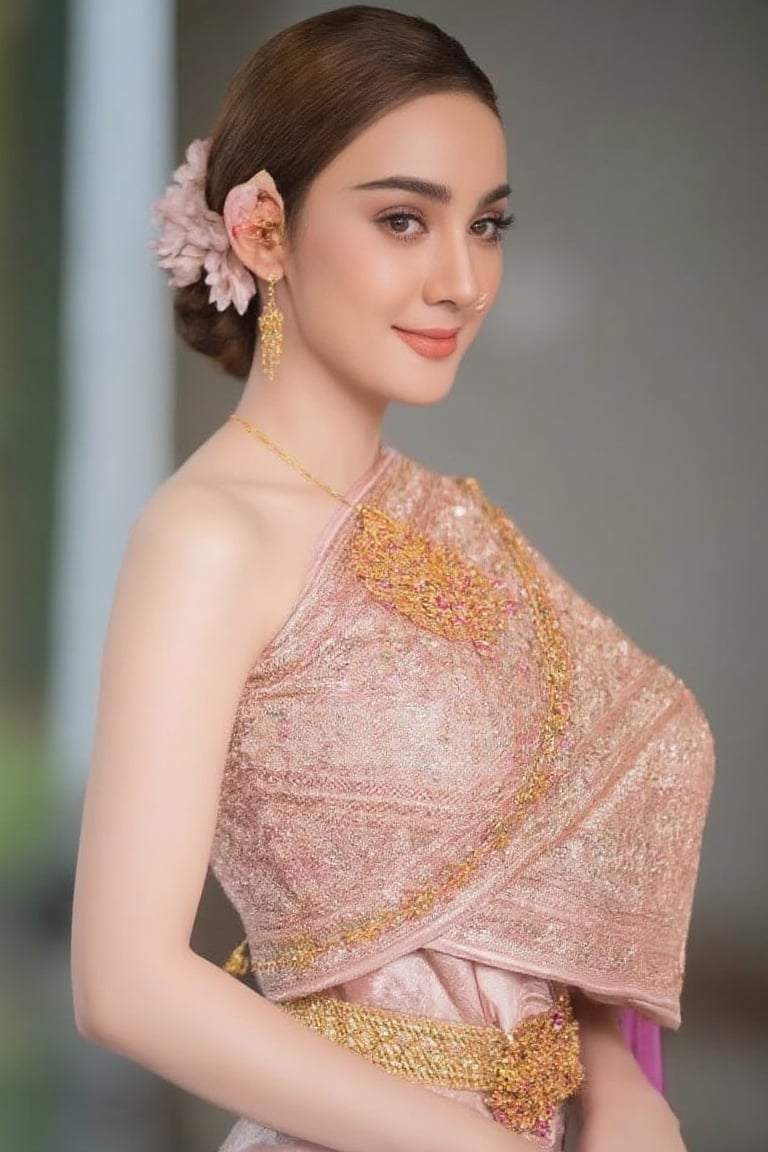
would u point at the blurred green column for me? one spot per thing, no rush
(32, 50)
(32, 55)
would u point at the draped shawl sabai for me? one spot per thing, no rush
(540, 805)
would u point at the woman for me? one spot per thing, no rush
(458, 812)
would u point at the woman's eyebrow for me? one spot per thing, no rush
(438, 192)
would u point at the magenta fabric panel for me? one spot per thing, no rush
(644, 1038)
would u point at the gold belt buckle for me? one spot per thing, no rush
(537, 1070)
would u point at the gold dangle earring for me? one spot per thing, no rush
(271, 331)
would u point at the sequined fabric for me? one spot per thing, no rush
(368, 755)
(376, 766)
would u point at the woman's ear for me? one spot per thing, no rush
(254, 216)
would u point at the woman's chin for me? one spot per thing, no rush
(425, 388)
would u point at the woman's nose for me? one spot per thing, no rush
(452, 277)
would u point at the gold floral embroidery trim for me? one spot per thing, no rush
(303, 950)
(430, 584)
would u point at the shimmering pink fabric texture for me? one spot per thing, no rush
(368, 754)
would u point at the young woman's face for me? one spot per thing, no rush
(370, 262)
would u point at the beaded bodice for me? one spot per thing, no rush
(540, 798)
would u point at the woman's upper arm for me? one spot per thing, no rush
(181, 637)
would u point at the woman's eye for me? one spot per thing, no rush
(409, 226)
(398, 222)
(492, 228)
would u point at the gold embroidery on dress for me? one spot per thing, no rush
(434, 586)
(302, 950)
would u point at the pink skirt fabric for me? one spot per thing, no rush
(435, 984)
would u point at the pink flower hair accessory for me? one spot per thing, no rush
(194, 240)
(255, 210)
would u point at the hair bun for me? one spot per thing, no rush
(227, 337)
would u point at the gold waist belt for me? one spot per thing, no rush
(525, 1074)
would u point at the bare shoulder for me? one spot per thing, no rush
(195, 520)
(196, 549)
(230, 538)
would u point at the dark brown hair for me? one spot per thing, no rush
(299, 100)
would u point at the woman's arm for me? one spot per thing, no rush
(183, 632)
(619, 1106)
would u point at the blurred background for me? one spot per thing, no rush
(615, 404)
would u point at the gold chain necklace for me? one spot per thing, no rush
(433, 586)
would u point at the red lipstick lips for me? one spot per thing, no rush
(434, 343)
